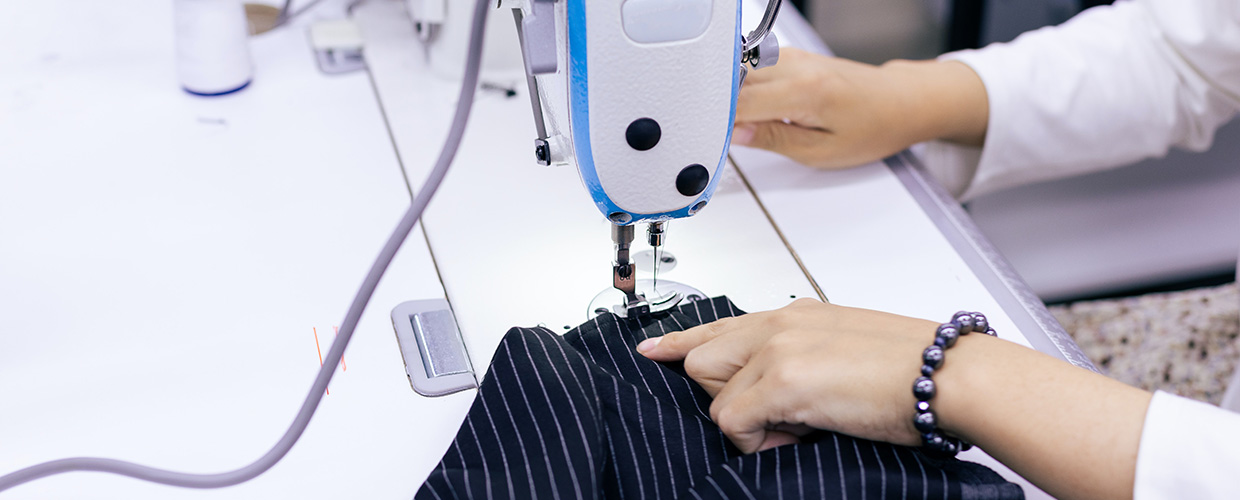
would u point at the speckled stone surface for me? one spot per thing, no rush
(1182, 342)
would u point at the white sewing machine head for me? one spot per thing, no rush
(641, 96)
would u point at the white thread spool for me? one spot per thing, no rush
(213, 53)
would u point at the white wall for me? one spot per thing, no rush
(878, 30)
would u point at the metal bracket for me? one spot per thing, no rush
(436, 360)
(536, 34)
(536, 31)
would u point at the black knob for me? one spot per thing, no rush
(643, 134)
(692, 180)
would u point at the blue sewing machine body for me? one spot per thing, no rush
(652, 100)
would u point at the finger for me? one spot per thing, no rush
(781, 69)
(763, 75)
(807, 146)
(795, 429)
(745, 421)
(774, 101)
(713, 364)
(756, 402)
(736, 410)
(676, 345)
(778, 438)
(790, 61)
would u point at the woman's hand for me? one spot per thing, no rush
(832, 113)
(775, 375)
(809, 364)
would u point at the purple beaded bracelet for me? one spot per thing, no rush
(933, 440)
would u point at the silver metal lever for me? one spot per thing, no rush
(764, 28)
(761, 48)
(535, 64)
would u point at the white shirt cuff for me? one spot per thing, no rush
(953, 165)
(1189, 449)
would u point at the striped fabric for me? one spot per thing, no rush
(585, 416)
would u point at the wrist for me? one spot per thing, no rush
(965, 383)
(1071, 432)
(935, 439)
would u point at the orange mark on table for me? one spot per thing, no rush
(343, 365)
(320, 350)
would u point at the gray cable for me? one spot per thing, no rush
(284, 11)
(287, 13)
(308, 407)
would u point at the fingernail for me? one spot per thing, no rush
(743, 133)
(648, 344)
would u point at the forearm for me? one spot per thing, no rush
(942, 100)
(1072, 432)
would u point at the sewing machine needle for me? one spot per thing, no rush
(654, 236)
(655, 286)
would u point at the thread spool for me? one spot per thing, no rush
(213, 53)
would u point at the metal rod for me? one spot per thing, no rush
(764, 27)
(530, 80)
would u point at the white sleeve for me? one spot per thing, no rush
(1189, 449)
(1112, 86)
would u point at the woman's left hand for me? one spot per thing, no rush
(775, 375)
(807, 365)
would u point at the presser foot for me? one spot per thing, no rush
(669, 294)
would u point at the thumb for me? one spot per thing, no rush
(777, 438)
(743, 134)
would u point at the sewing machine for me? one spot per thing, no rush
(642, 100)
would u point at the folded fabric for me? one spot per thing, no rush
(584, 416)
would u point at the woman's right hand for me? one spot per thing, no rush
(832, 113)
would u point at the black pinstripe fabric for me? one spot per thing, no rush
(585, 416)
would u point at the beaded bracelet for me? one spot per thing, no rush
(933, 440)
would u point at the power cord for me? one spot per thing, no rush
(334, 355)
(287, 13)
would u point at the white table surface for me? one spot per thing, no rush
(166, 260)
